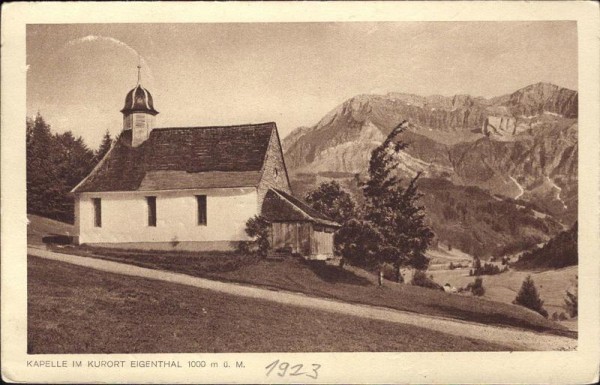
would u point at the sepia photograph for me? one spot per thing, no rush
(307, 163)
(299, 187)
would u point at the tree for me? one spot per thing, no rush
(571, 301)
(330, 199)
(476, 263)
(528, 297)
(476, 287)
(393, 209)
(420, 279)
(55, 164)
(40, 174)
(359, 243)
(258, 228)
(104, 146)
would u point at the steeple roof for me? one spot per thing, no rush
(139, 99)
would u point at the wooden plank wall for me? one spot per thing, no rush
(323, 242)
(296, 235)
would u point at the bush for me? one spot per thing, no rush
(559, 317)
(562, 316)
(259, 229)
(244, 247)
(476, 287)
(528, 297)
(389, 271)
(421, 279)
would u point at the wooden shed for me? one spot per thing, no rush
(297, 227)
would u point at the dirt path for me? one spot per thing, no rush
(519, 339)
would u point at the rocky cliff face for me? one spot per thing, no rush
(544, 97)
(518, 146)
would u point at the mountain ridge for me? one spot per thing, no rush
(518, 146)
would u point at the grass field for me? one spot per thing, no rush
(73, 309)
(351, 285)
(551, 285)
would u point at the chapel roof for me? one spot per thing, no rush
(183, 158)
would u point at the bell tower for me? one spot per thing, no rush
(139, 113)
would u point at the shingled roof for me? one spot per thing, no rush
(177, 158)
(279, 206)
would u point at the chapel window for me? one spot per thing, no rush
(97, 212)
(151, 202)
(201, 203)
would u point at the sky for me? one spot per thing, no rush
(290, 73)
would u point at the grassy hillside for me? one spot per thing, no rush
(560, 251)
(73, 309)
(327, 281)
(472, 220)
(551, 285)
(39, 227)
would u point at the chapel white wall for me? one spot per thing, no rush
(125, 216)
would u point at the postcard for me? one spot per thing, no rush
(291, 192)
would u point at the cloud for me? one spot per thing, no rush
(110, 40)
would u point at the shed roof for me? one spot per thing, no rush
(279, 206)
(186, 157)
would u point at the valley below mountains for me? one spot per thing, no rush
(499, 175)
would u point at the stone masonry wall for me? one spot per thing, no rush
(274, 172)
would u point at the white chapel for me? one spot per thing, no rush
(193, 188)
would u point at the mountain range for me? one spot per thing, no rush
(498, 174)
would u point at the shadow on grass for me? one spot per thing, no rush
(334, 274)
(186, 262)
(57, 239)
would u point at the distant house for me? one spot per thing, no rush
(193, 188)
(449, 288)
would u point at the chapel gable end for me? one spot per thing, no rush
(274, 172)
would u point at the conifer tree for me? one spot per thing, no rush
(393, 208)
(105, 145)
(55, 164)
(528, 297)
